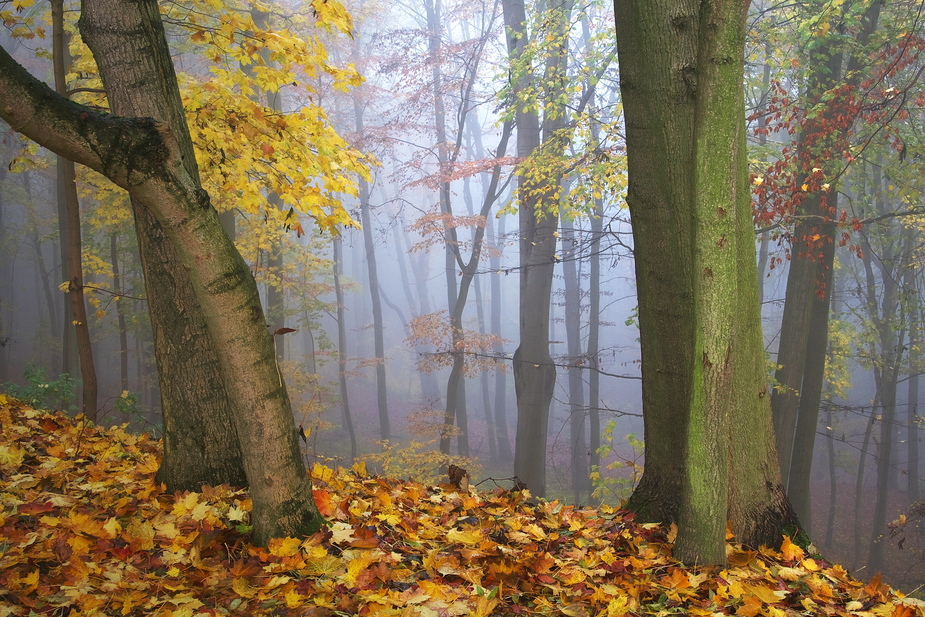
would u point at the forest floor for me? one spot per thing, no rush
(85, 530)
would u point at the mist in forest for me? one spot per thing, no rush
(363, 318)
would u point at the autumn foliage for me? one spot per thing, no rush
(84, 529)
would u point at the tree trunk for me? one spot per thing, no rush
(372, 270)
(145, 157)
(804, 326)
(912, 418)
(578, 444)
(200, 444)
(534, 371)
(120, 312)
(342, 347)
(71, 253)
(500, 406)
(709, 441)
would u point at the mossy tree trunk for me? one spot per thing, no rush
(146, 158)
(710, 452)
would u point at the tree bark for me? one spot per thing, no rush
(200, 444)
(120, 312)
(709, 441)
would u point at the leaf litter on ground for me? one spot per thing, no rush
(86, 530)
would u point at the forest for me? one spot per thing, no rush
(650, 270)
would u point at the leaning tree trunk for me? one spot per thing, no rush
(144, 156)
(704, 383)
(200, 444)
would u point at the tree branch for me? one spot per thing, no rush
(126, 150)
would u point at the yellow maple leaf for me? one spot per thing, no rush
(293, 599)
(356, 566)
(284, 547)
(243, 588)
(471, 537)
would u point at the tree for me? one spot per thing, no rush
(69, 228)
(534, 371)
(152, 160)
(804, 327)
(710, 454)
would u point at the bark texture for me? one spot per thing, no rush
(709, 442)
(200, 443)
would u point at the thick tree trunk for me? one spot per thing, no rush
(200, 444)
(709, 442)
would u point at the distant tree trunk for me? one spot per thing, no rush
(890, 329)
(498, 419)
(859, 494)
(457, 293)
(120, 312)
(4, 282)
(342, 347)
(382, 403)
(372, 270)
(804, 325)
(73, 256)
(69, 359)
(48, 290)
(833, 482)
(534, 371)
(830, 440)
(594, 323)
(578, 445)
(500, 406)
(419, 303)
(484, 380)
(912, 420)
(710, 453)
(455, 383)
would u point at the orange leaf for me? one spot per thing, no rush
(790, 551)
(323, 501)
